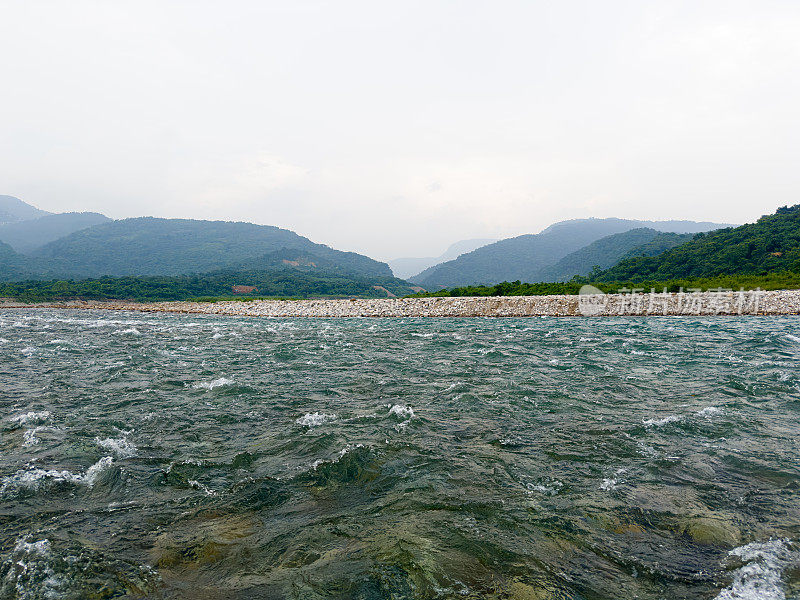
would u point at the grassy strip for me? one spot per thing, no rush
(785, 280)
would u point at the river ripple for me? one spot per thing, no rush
(187, 456)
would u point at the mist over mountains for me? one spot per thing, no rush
(36, 245)
(529, 257)
(407, 267)
(14, 210)
(28, 235)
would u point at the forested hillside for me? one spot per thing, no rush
(217, 284)
(526, 257)
(150, 246)
(609, 250)
(12, 265)
(770, 245)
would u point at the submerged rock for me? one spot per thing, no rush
(712, 531)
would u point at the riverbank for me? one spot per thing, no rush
(782, 302)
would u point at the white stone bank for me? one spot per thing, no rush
(783, 302)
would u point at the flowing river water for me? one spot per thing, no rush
(184, 456)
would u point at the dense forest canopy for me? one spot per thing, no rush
(150, 246)
(771, 244)
(219, 284)
(608, 251)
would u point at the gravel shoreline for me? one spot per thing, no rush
(782, 302)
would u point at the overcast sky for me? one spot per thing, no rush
(396, 128)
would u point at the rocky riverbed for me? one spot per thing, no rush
(722, 302)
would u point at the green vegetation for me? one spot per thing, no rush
(12, 265)
(608, 251)
(214, 286)
(764, 255)
(150, 246)
(528, 257)
(770, 245)
(773, 281)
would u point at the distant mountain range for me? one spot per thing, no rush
(528, 257)
(196, 256)
(39, 245)
(406, 267)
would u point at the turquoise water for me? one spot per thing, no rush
(184, 456)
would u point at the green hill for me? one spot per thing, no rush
(525, 257)
(13, 265)
(26, 236)
(608, 251)
(770, 245)
(661, 243)
(151, 246)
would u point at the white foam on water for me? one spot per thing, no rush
(4, 341)
(31, 574)
(710, 411)
(121, 447)
(404, 412)
(128, 331)
(794, 338)
(342, 453)
(646, 450)
(199, 486)
(28, 351)
(315, 419)
(76, 321)
(92, 473)
(550, 489)
(32, 479)
(29, 437)
(31, 417)
(608, 484)
(41, 547)
(210, 385)
(761, 577)
(662, 422)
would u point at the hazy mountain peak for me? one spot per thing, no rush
(13, 210)
(26, 236)
(526, 257)
(406, 267)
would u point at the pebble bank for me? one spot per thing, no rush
(782, 302)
